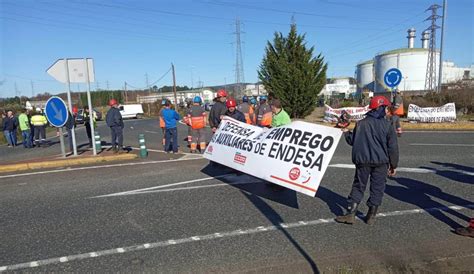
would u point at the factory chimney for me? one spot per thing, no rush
(411, 38)
(425, 38)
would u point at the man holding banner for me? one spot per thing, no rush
(374, 151)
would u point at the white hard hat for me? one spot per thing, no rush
(38, 109)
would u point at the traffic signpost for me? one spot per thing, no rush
(57, 115)
(75, 70)
(392, 79)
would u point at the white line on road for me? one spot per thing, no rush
(449, 145)
(154, 132)
(212, 236)
(408, 169)
(96, 167)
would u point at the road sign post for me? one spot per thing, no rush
(89, 103)
(57, 115)
(392, 79)
(73, 70)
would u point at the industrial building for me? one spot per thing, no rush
(411, 61)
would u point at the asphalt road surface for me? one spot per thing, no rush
(178, 214)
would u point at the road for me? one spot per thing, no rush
(181, 215)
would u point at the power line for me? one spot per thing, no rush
(430, 80)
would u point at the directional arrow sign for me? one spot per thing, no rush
(56, 111)
(392, 77)
(76, 68)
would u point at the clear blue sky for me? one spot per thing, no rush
(129, 39)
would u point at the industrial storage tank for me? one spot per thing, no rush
(410, 61)
(365, 75)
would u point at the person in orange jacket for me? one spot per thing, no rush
(197, 122)
(162, 121)
(264, 113)
(247, 110)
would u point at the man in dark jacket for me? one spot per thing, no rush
(115, 122)
(375, 154)
(218, 109)
(232, 111)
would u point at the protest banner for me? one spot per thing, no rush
(445, 113)
(356, 113)
(294, 156)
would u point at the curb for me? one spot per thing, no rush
(65, 162)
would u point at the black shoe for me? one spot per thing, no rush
(370, 217)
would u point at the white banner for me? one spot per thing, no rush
(294, 156)
(356, 113)
(446, 113)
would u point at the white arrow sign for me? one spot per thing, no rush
(76, 68)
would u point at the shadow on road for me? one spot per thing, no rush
(456, 173)
(336, 203)
(420, 194)
(282, 196)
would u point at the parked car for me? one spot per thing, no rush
(131, 111)
(80, 116)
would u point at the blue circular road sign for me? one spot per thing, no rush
(56, 111)
(392, 77)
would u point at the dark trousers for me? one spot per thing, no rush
(88, 132)
(378, 179)
(117, 136)
(40, 134)
(171, 133)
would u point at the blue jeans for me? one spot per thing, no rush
(117, 137)
(26, 134)
(171, 133)
(13, 136)
(8, 137)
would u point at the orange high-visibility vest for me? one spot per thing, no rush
(264, 117)
(197, 117)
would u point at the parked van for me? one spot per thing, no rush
(131, 111)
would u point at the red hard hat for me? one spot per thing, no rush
(113, 102)
(231, 103)
(221, 93)
(378, 101)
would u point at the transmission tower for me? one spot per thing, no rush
(239, 64)
(430, 79)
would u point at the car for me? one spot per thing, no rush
(131, 111)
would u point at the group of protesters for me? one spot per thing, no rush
(30, 125)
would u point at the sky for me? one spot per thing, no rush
(131, 41)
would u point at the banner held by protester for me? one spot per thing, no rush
(294, 156)
(445, 113)
(356, 113)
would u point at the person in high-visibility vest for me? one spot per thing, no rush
(187, 121)
(87, 123)
(264, 113)
(397, 104)
(197, 120)
(247, 110)
(39, 122)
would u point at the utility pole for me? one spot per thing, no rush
(239, 64)
(430, 80)
(32, 89)
(126, 95)
(174, 87)
(146, 83)
(440, 80)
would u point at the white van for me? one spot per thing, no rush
(131, 111)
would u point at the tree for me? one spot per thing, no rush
(291, 73)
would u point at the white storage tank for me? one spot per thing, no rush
(410, 61)
(365, 75)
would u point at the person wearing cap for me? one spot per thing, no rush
(247, 110)
(197, 123)
(218, 109)
(375, 155)
(280, 116)
(264, 113)
(232, 111)
(171, 117)
(115, 122)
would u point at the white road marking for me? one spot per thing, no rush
(408, 169)
(449, 145)
(96, 167)
(63, 259)
(162, 186)
(228, 234)
(93, 254)
(154, 132)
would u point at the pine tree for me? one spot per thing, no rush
(291, 73)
